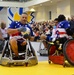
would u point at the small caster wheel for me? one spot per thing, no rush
(26, 64)
(41, 54)
(49, 62)
(64, 65)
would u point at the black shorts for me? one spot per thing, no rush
(20, 47)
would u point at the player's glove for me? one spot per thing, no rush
(21, 29)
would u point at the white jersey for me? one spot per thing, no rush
(4, 32)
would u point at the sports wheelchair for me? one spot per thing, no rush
(61, 52)
(44, 51)
(28, 54)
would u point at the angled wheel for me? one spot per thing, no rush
(68, 51)
(52, 49)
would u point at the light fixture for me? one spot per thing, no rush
(32, 9)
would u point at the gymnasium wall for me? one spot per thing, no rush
(72, 7)
(65, 7)
(13, 14)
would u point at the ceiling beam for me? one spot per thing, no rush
(21, 4)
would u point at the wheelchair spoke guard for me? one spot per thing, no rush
(51, 50)
(68, 50)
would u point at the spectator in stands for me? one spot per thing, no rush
(3, 35)
(72, 23)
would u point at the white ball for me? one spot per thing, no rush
(26, 32)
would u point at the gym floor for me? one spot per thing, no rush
(43, 67)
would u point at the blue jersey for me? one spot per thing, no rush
(16, 24)
(64, 24)
(61, 29)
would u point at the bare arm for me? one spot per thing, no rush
(12, 31)
(1, 37)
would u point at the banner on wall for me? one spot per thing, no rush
(14, 14)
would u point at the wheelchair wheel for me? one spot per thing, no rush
(51, 49)
(68, 50)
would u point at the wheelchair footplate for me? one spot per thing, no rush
(56, 59)
(55, 55)
(27, 58)
(30, 61)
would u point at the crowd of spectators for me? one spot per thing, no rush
(40, 28)
(46, 27)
